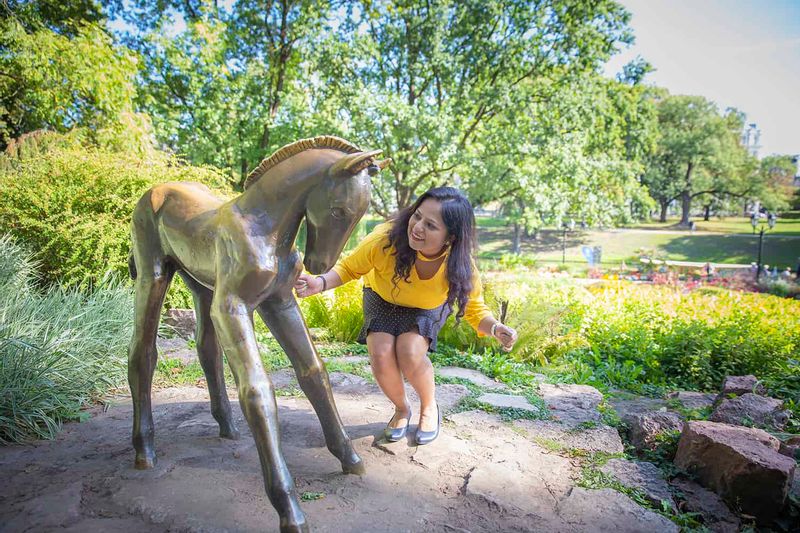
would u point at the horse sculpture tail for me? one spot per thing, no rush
(131, 266)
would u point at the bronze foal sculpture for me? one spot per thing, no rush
(238, 257)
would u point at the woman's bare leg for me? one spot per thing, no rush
(383, 359)
(412, 354)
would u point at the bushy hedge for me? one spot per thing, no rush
(663, 336)
(59, 349)
(72, 206)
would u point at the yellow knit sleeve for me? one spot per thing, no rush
(476, 309)
(362, 259)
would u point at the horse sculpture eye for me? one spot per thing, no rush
(338, 212)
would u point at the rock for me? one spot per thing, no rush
(643, 476)
(606, 510)
(740, 385)
(176, 348)
(476, 419)
(643, 429)
(348, 359)
(448, 395)
(629, 405)
(507, 401)
(572, 404)
(524, 485)
(433, 457)
(56, 508)
(344, 382)
(182, 321)
(791, 447)
(740, 464)
(597, 439)
(693, 400)
(473, 376)
(751, 409)
(283, 378)
(716, 514)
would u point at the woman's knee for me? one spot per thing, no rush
(412, 353)
(382, 351)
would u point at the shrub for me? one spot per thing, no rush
(59, 349)
(661, 336)
(339, 310)
(72, 205)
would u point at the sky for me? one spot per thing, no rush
(743, 54)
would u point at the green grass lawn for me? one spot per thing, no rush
(784, 226)
(618, 245)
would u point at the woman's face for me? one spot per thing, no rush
(426, 230)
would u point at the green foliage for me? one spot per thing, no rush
(340, 311)
(433, 81)
(59, 350)
(659, 336)
(73, 205)
(59, 82)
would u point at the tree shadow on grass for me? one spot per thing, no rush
(547, 240)
(778, 250)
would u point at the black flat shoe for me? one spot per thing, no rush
(426, 437)
(396, 434)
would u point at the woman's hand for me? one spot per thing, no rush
(307, 285)
(506, 335)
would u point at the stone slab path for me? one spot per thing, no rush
(482, 474)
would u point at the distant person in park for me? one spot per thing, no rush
(418, 268)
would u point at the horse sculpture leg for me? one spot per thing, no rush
(285, 321)
(234, 326)
(152, 282)
(210, 355)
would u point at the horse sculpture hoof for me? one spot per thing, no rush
(294, 526)
(231, 433)
(354, 467)
(144, 462)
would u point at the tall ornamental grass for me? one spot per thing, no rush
(60, 349)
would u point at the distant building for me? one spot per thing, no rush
(751, 137)
(796, 161)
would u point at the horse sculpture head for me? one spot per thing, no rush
(335, 206)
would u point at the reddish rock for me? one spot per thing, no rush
(791, 447)
(740, 464)
(740, 385)
(693, 400)
(751, 410)
(715, 513)
(643, 429)
(182, 321)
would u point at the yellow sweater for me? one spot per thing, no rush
(371, 260)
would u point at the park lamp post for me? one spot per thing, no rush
(565, 226)
(756, 221)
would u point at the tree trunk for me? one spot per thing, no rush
(706, 212)
(686, 196)
(517, 245)
(663, 216)
(686, 207)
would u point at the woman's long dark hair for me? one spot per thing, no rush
(459, 219)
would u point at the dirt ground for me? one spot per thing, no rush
(480, 475)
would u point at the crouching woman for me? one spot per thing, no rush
(418, 267)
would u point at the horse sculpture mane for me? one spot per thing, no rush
(281, 154)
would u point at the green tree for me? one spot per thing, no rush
(776, 182)
(580, 155)
(435, 81)
(699, 153)
(233, 85)
(54, 81)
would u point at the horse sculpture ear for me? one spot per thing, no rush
(352, 164)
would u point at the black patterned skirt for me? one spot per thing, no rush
(382, 316)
